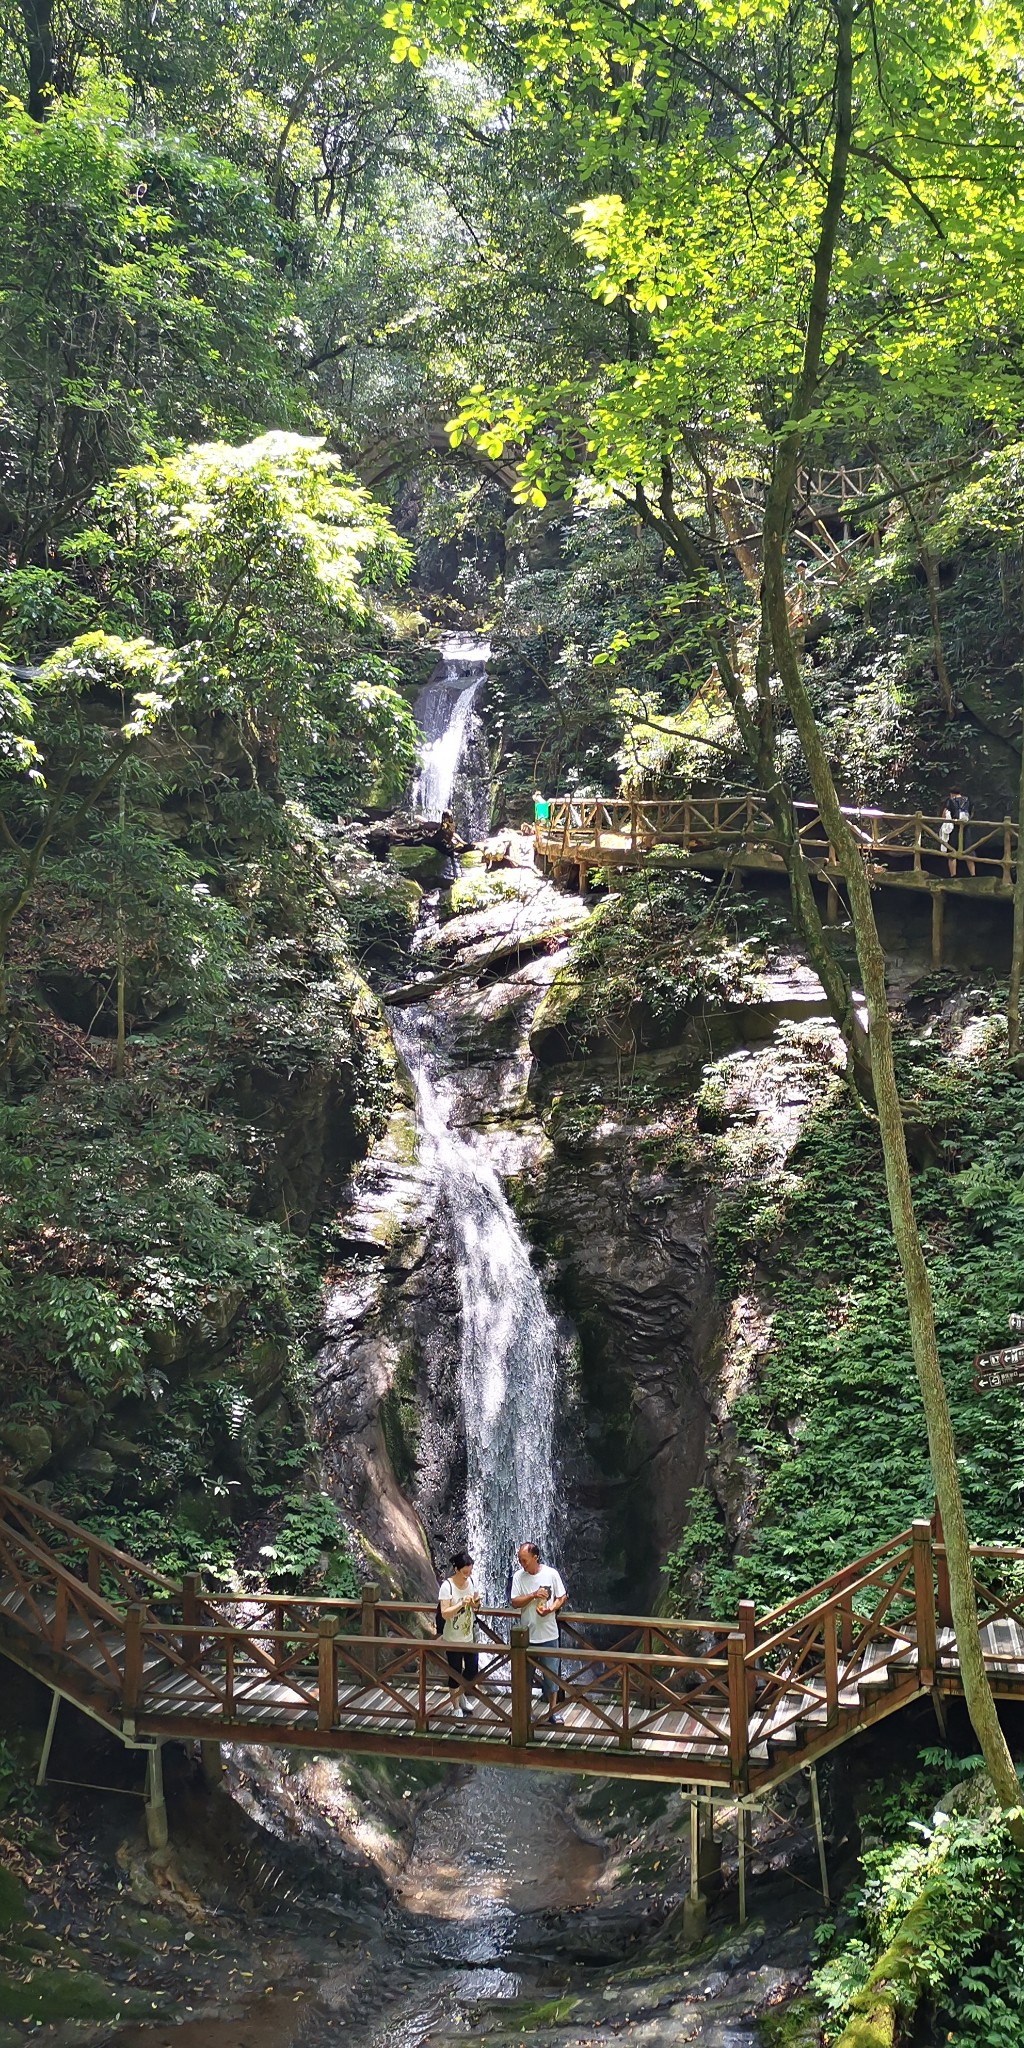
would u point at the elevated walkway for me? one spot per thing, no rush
(738, 1705)
(901, 850)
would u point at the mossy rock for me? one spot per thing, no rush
(797, 2025)
(479, 890)
(46, 1995)
(12, 1900)
(380, 905)
(423, 864)
(549, 1034)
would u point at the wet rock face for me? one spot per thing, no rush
(632, 1264)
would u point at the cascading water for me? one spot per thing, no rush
(508, 1363)
(508, 1338)
(445, 715)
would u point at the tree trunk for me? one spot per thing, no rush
(37, 17)
(119, 1046)
(1017, 955)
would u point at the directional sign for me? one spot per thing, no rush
(1016, 1322)
(996, 1361)
(1009, 1376)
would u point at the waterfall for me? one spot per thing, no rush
(444, 714)
(508, 1338)
(508, 1342)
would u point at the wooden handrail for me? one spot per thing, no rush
(39, 1511)
(580, 827)
(839, 1581)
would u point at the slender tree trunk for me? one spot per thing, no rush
(1017, 955)
(757, 733)
(924, 1342)
(37, 17)
(941, 1445)
(931, 573)
(119, 1047)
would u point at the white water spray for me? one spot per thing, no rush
(508, 1338)
(444, 714)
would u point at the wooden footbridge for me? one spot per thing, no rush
(901, 850)
(738, 1705)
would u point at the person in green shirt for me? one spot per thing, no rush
(541, 808)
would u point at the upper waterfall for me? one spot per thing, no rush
(445, 716)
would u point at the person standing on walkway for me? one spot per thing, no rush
(538, 1592)
(458, 1599)
(953, 831)
(541, 808)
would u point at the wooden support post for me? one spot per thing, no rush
(924, 1601)
(846, 1624)
(520, 1676)
(327, 1674)
(156, 1810)
(59, 1624)
(938, 908)
(831, 1668)
(832, 904)
(132, 1660)
(741, 1859)
(748, 1630)
(695, 1906)
(93, 1569)
(190, 1616)
(1007, 868)
(48, 1739)
(421, 1693)
(819, 1832)
(369, 1622)
(739, 1726)
(943, 1603)
(633, 826)
(709, 1852)
(918, 823)
(211, 1760)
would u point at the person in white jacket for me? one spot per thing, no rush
(538, 1592)
(458, 1598)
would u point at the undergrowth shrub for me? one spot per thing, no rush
(830, 1439)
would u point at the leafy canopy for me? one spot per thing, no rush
(257, 563)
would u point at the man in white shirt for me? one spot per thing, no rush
(539, 1593)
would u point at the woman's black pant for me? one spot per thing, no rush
(462, 1664)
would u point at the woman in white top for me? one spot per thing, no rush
(458, 1599)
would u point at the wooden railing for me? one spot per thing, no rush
(604, 828)
(739, 1703)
